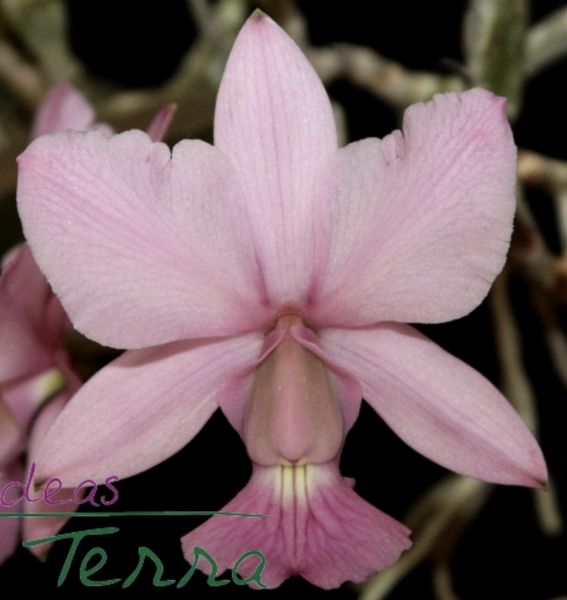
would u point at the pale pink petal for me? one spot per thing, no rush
(23, 351)
(419, 222)
(40, 527)
(316, 527)
(63, 108)
(26, 284)
(26, 340)
(439, 405)
(157, 129)
(140, 409)
(10, 527)
(142, 247)
(274, 121)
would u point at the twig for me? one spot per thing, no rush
(547, 510)
(560, 203)
(536, 169)
(443, 581)
(515, 383)
(551, 175)
(24, 81)
(341, 123)
(494, 35)
(518, 389)
(459, 502)
(41, 27)
(547, 42)
(429, 502)
(204, 18)
(381, 76)
(557, 344)
(529, 253)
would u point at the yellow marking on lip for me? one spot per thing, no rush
(48, 384)
(294, 482)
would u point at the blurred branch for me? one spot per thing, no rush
(518, 389)
(41, 27)
(202, 14)
(529, 253)
(557, 344)
(494, 39)
(341, 123)
(547, 42)
(208, 25)
(551, 175)
(443, 581)
(547, 510)
(536, 169)
(453, 501)
(25, 82)
(378, 75)
(514, 380)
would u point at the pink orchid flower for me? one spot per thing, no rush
(36, 378)
(271, 275)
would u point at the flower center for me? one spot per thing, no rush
(293, 414)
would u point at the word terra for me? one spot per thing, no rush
(96, 558)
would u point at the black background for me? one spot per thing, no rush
(503, 554)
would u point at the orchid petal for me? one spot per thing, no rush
(316, 526)
(274, 121)
(141, 246)
(420, 222)
(22, 351)
(140, 409)
(63, 108)
(25, 283)
(41, 527)
(25, 296)
(439, 405)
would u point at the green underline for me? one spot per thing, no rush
(150, 513)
